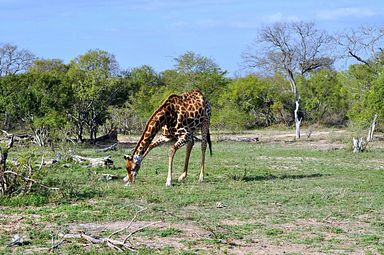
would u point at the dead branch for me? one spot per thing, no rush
(115, 244)
(55, 245)
(109, 148)
(112, 243)
(358, 58)
(129, 224)
(118, 245)
(139, 229)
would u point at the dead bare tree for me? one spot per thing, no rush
(294, 49)
(362, 44)
(13, 60)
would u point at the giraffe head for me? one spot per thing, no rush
(132, 165)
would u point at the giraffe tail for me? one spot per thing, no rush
(209, 142)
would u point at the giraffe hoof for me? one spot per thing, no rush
(168, 184)
(201, 179)
(181, 178)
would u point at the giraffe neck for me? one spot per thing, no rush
(154, 124)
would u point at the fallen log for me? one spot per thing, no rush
(107, 177)
(52, 161)
(111, 136)
(238, 139)
(22, 137)
(94, 162)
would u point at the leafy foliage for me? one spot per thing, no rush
(324, 98)
(91, 92)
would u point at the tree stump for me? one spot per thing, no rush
(358, 144)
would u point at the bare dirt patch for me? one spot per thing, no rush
(263, 246)
(321, 139)
(195, 237)
(185, 231)
(15, 223)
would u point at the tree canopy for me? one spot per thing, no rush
(288, 61)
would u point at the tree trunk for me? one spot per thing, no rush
(3, 166)
(297, 120)
(358, 144)
(79, 132)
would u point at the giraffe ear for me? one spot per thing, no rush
(126, 157)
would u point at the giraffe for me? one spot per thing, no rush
(179, 117)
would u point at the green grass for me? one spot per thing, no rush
(325, 201)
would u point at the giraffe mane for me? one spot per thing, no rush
(150, 119)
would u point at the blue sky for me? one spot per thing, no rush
(154, 32)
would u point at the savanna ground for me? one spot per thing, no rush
(274, 196)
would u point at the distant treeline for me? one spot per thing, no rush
(91, 94)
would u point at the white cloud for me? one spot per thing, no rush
(279, 17)
(345, 12)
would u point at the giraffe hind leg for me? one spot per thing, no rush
(186, 162)
(204, 141)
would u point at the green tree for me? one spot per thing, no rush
(148, 89)
(294, 49)
(56, 66)
(252, 95)
(35, 101)
(194, 71)
(324, 98)
(374, 99)
(92, 78)
(191, 62)
(358, 80)
(16, 100)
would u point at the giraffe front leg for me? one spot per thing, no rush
(159, 141)
(183, 139)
